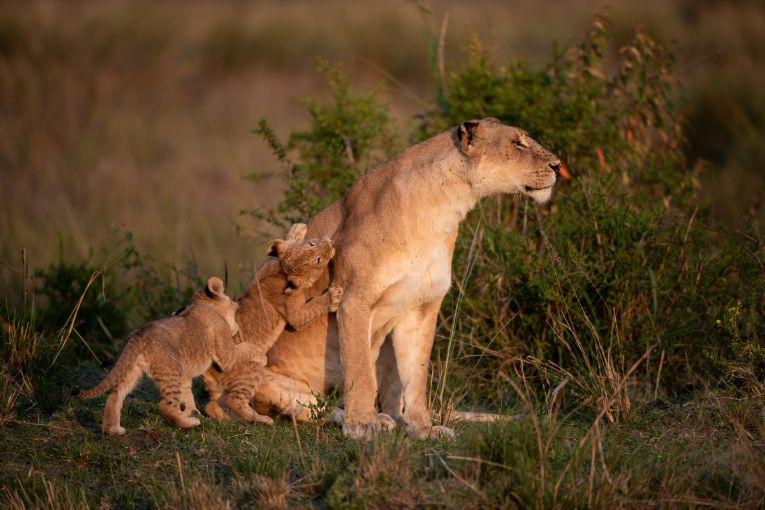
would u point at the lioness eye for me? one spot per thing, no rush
(520, 144)
(318, 261)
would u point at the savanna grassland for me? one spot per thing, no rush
(145, 146)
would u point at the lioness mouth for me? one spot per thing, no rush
(529, 188)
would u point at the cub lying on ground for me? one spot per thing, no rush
(274, 299)
(172, 351)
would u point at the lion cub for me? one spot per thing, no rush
(274, 299)
(172, 351)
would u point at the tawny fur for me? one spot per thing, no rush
(274, 299)
(394, 233)
(172, 351)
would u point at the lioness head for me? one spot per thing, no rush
(215, 296)
(303, 262)
(506, 160)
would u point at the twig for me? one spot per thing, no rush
(441, 44)
(467, 484)
(46, 425)
(180, 470)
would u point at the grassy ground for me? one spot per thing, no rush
(703, 452)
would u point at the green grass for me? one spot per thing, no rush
(702, 452)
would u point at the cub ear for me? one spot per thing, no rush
(276, 248)
(329, 247)
(215, 287)
(297, 232)
(465, 134)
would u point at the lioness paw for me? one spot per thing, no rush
(430, 432)
(386, 422)
(335, 296)
(263, 419)
(361, 430)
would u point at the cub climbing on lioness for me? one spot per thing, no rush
(274, 299)
(172, 351)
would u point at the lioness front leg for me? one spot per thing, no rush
(412, 343)
(360, 385)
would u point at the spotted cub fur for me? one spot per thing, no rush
(274, 299)
(172, 351)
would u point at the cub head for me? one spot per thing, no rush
(506, 160)
(215, 296)
(303, 262)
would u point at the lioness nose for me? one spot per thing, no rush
(555, 167)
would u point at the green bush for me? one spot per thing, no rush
(63, 284)
(624, 276)
(346, 138)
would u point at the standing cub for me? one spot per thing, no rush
(274, 299)
(172, 351)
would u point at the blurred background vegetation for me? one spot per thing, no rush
(121, 117)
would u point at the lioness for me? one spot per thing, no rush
(394, 233)
(172, 351)
(274, 299)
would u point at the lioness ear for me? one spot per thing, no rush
(465, 134)
(215, 287)
(276, 248)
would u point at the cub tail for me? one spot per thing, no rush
(121, 371)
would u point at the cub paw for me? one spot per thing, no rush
(214, 410)
(190, 410)
(115, 431)
(186, 422)
(335, 296)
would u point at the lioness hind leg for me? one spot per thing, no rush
(412, 342)
(284, 394)
(390, 393)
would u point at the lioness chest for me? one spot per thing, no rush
(412, 280)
